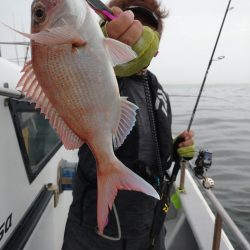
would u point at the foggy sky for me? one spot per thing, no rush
(186, 45)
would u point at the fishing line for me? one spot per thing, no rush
(119, 235)
(208, 67)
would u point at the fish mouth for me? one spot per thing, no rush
(39, 13)
(42, 12)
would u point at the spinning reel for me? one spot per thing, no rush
(203, 163)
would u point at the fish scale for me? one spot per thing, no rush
(74, 95)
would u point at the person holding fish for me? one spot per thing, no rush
(93, 86)
(139, 24)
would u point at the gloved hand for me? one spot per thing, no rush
(124, 28)
(143, 40)
(184, 145)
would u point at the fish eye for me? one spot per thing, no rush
(39, 14)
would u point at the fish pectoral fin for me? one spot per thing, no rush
(58, 36)
(126, 123)
(31, 88)
(120, 53)
(55, 36)
(118, 178)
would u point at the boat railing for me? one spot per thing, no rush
(11, 93)
(221, 214)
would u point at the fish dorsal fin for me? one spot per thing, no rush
(31, 88)
(120, 53)
(126, 123)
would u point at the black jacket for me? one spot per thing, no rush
(138, 153)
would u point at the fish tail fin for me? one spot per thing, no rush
(117, 177)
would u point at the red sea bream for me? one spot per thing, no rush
(71, 79)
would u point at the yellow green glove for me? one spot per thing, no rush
(146, 48)
(187, 152)
(183, 152)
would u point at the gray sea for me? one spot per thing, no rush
(222, 126)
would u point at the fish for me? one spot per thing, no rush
(70, 78)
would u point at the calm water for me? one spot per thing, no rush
(221, 125)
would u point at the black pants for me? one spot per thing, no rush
(79, 237)
(80, 228)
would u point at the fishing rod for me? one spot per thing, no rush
(208, 67)
(203, 155)
(182, 161)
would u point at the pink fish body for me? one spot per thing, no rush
(71, 79)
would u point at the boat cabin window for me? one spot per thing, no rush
(37, 139)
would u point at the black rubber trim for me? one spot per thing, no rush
(26, 226)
